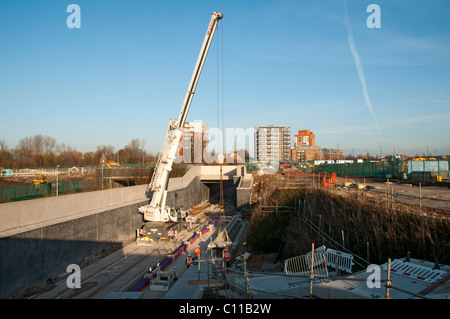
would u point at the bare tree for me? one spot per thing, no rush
(68, 156)
(107, 150)
(24, 151)
(133, 152)
(38, 143)
(3, 146)
(6, 157)
(49, 144)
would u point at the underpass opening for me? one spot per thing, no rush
(229, 193)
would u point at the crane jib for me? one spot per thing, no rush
(216, 16)
(198, 67)
(156, 210)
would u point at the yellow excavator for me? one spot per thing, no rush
(108, 163)
(112, 164)
(40, 179)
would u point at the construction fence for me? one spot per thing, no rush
(388, 169)
(413, 170)
(17, 193)
(428, 170)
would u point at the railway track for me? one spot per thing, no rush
(119, 271)
(125, 269)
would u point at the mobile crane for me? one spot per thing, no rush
(156, 210)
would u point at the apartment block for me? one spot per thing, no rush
(272, 143)
(193, 142)
(305, 138)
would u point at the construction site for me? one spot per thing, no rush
(289, 217)
(221, 231)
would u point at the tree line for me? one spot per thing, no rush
(43, 151)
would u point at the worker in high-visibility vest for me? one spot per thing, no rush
(197, 252)
(188, 261)
(226, 256)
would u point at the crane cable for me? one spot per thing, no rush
(221, 130)
(220, 81)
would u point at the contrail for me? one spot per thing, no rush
(351, 43)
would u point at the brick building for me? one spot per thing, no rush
(305, 138)
(331, 154)
(306, 153)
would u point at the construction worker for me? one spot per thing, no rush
(226, 256)
(197, 252)
(188, 261)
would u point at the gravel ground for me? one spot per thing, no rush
(435, 197)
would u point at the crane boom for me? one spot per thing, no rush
(157, 210)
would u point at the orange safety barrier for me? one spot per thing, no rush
(329, 181)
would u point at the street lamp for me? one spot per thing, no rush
(57, 180)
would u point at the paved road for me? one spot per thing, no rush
(432, 196)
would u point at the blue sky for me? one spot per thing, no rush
(125, 72)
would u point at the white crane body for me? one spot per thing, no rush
(156, 210)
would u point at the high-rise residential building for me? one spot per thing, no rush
(193, 142)
(305, 138)
(272, 143)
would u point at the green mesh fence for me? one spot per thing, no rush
(17, 193)
(251, 167)
(69, 187)
(388, 169)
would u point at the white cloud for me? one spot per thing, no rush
(426, 118)
(359, 68)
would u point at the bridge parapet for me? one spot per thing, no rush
(31, 214)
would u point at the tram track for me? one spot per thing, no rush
(120, 270)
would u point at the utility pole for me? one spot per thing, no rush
(388, 281)
(312, 271)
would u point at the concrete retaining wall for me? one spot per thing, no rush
(40, 237)
(17, 217)
(244, 191)
(36, 256)
(192, 194)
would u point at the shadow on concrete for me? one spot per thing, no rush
(229, 191)
(39, 256)
(30, 265)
